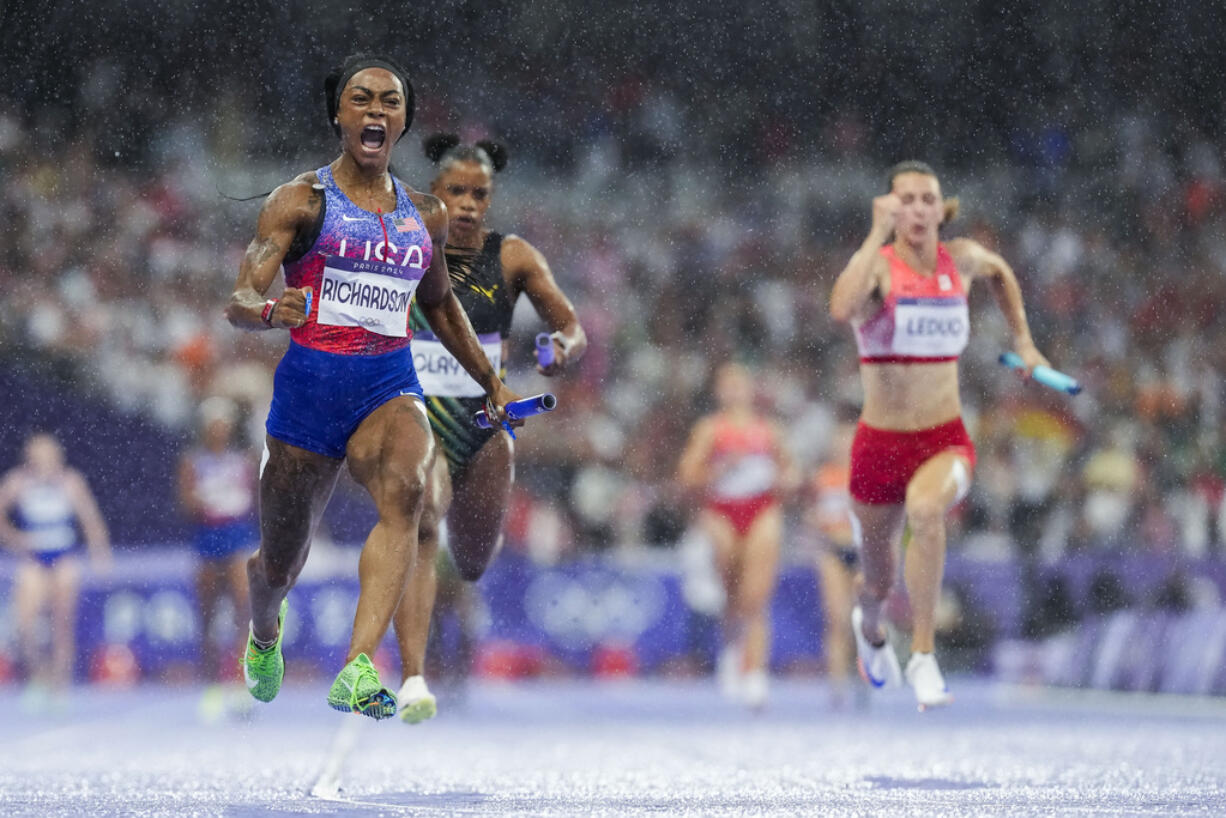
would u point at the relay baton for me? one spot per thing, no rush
(307, 310)
(1043, 374)
(544, 349)
(520, 409)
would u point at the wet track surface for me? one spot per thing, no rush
(631, 748)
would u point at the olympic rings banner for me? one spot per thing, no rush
(598, 616)
(526, 619)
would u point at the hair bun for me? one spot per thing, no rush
(436, 145)
(497, 153)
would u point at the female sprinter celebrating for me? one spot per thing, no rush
(489, 271)
(911, 457)
(736, 459)
(359, 244)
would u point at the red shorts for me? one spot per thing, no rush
(742, 512)
(883, 461)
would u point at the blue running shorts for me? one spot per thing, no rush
(215, 542)
(320, 398)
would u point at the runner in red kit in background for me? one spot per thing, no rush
(735, 460)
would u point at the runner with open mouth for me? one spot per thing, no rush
(373, 136)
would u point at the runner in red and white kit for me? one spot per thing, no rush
(735, 458)
(912, 458)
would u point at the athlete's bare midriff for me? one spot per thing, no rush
(909, 397)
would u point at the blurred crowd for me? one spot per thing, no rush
(694, 211)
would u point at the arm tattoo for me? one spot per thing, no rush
(429, 206)
(262, 250)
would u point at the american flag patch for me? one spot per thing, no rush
(406, 224)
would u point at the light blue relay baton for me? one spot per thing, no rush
(1044, 374)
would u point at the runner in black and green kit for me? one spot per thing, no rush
(489, 272)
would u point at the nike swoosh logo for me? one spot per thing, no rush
(487, 293)
(251, 683)
(353, 218)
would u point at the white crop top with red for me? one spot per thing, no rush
(744, 457)
(924, 318)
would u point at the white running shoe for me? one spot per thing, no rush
(925, 677)
(754, 686)
(878, 664)
(728, 672)
(415, 701)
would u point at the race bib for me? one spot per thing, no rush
(369, 294)
(441, 374)
(931, 327)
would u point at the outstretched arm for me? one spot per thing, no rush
(188, 500)
(693, 470)
(97, 538)
(10, 535)
(973, 260)
(790, 478)
(527, 271)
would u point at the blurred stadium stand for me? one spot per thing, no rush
(696, 203)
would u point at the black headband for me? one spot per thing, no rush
(362, 65)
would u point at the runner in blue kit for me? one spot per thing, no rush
(357, 246)
(470, 484)
(45, 508)
(217, 492)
